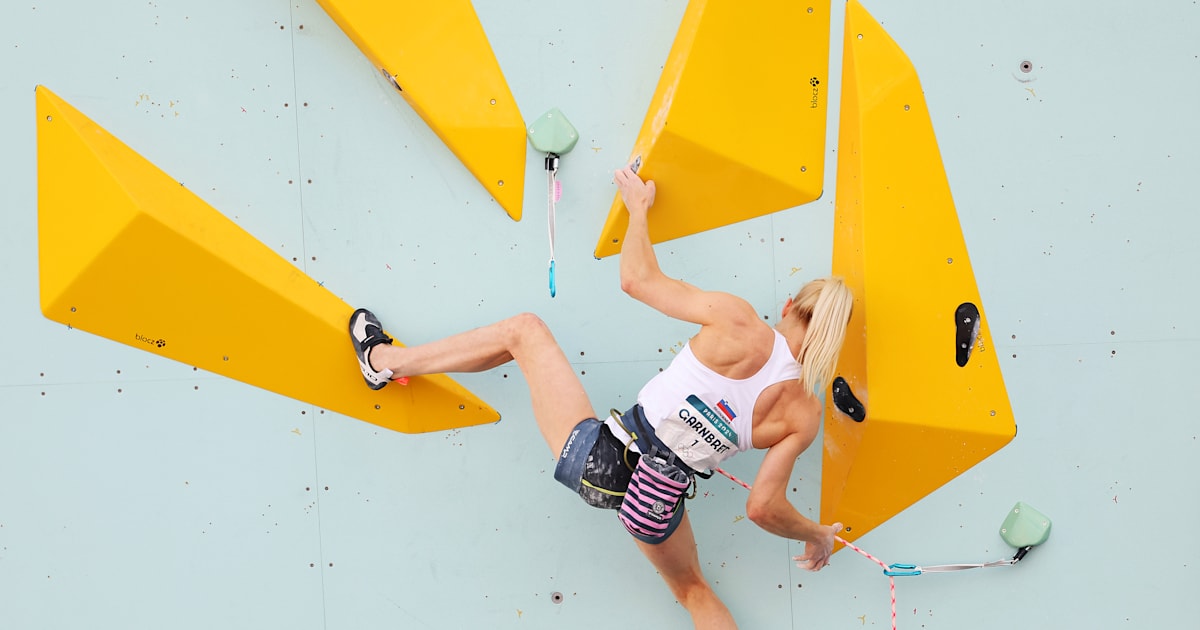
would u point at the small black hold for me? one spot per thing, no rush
(390, 79)
(846, 402)
(966, 332)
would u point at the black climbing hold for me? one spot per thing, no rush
(966, 331)
(390, 79)
(846, 402)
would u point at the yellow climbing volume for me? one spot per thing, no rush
(127, 253)
(736, 127)
(919, 366)
(438, 56)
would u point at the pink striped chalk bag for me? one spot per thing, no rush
(654, 500)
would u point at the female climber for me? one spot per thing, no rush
(737, 384)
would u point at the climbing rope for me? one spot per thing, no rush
(1024, 529)
(891, 579)
(1023, 535)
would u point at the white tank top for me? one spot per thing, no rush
(705, 417)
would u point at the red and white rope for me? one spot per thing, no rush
(891, 579)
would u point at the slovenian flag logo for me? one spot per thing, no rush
(726, 410)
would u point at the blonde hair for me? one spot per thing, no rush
(824, 305)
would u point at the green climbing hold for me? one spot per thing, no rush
(1025, 527)
(553, 133)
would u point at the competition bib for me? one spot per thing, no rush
(700, 433)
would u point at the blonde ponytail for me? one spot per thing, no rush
(825, 305)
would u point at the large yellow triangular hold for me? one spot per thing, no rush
(437, 54)
(917, 312)
(736, 127)
(127, 253)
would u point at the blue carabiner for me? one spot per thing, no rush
(905, 570)
(553, 285)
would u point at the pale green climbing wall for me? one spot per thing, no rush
(140, 493)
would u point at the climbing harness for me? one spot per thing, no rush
(648, 442)
(616, 416)
(1024, 528)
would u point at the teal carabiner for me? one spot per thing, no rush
(902, 570)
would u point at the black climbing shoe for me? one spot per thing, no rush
(366, 332)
